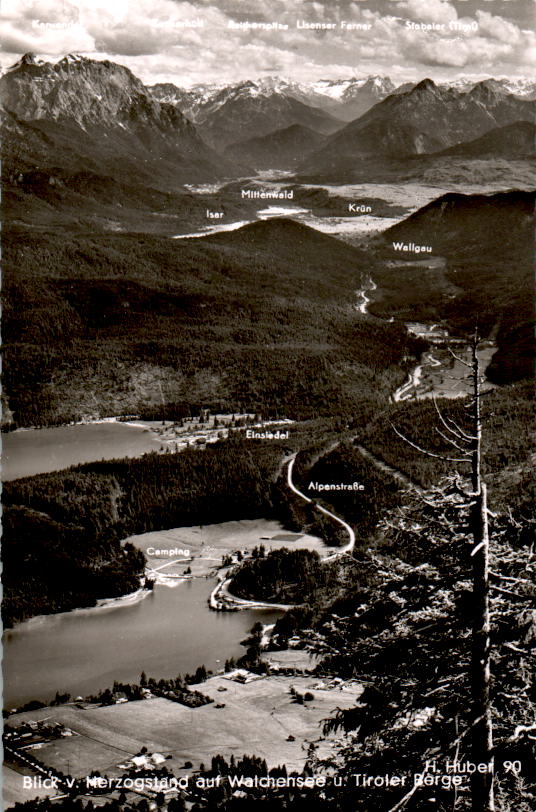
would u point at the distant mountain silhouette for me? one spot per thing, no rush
(280, 149)
(516, 139)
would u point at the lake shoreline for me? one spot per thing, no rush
(118, 602)
(161, 630)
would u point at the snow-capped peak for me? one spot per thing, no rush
(518, 86)
(340, 89)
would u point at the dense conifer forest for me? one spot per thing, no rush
(72, 521)
(284, 576)
(129, 323)
(508, 440)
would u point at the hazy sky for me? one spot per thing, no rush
(189, 42)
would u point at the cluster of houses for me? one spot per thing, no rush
(143, 761)
(31, 733)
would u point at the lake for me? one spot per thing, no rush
(168, 632)
(27, 452)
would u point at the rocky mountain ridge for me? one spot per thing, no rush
(345, 98)
(249, 110)
(427, 118)
(90, 114)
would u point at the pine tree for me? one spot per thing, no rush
(469, 445)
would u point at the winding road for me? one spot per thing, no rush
(351, 535)
(222, 600)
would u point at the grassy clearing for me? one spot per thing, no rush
(292, 658)
(208, 544)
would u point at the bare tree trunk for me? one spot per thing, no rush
(481, 719)
(482, 734)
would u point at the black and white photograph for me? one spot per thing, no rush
(268, 414)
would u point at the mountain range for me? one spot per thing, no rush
(346, 99)
(250, 111)
(85, 115)
(387, 123)
(425, 119)
(523, 88)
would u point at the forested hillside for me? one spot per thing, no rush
(478, 274)
(62, 531)
(125, 323)
(508, 440)
(285, 576)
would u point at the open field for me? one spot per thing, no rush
(208, 544)
(93, 747)
(79, 755)
(292, 658)
(256, 718)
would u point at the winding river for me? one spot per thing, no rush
(439, 373)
